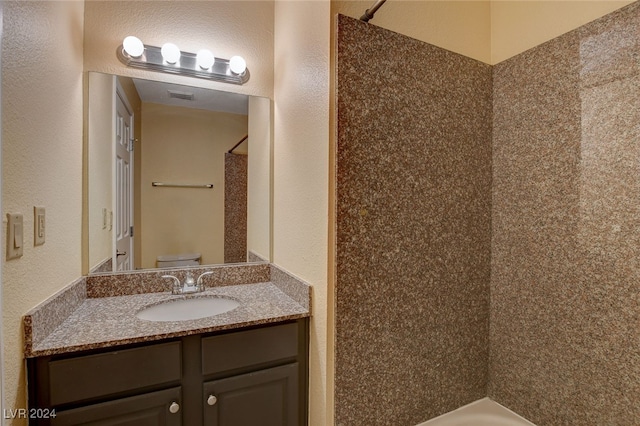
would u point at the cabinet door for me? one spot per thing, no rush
(263, 398)
(151, 409)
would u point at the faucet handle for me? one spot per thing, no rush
(176, 283)
(188, 280)
(199, 282)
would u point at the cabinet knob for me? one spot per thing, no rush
(212, 400)
(174, 407)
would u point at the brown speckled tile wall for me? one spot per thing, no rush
(235, 208)
(565, 284)
(413, 228)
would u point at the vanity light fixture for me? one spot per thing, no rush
(170, 59)
(170, 53)
(133, 46)
(205, 59)
(237, 65)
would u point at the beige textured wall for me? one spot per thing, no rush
(520, 25)
(226, 27)
(301, 180)
(184, 145)
(259, 177)
(42, 162)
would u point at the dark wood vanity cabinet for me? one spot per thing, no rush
(252, 376)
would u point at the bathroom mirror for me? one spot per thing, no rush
(175, 173)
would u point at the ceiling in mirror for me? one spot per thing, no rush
(214, 206)
(191, 97)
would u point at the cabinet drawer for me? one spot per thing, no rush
(92, 376)
(247, 348)
(147, 409)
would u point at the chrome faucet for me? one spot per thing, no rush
(189, 286)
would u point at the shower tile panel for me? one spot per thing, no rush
(566, 227)
(413, 206)
(235, 207)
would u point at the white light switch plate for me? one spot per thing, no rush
(15, 240)
(38, 226)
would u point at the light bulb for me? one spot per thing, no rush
(237, 65)
(205, 59)
(133, 46)
(170, 53)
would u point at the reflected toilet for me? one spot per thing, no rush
(182, 259)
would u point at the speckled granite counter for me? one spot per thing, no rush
(70, 321)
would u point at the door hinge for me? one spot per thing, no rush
(131, 231)
(132, 144)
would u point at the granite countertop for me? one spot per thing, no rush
(101, 322)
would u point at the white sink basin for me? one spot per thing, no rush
(187, 309)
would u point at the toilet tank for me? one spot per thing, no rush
(182, 259)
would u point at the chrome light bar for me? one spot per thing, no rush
(152, 59)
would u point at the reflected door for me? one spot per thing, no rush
(123, 182)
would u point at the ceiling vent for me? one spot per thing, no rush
(186, 96)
